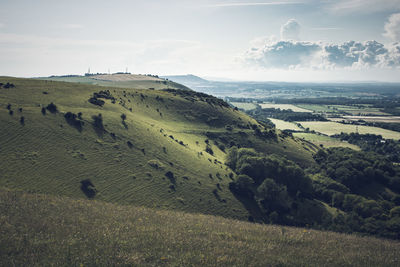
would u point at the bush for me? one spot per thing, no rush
(243, 186)
(171, 177)
(209, 150)
(52, 108)
(88, 188)
(96, 101)
(98, 121)
(72, 119)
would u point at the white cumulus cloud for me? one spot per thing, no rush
(290, 30)
(289, 54)
(392, 27)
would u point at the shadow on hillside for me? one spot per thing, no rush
(255, 213)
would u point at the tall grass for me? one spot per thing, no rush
(41, 230)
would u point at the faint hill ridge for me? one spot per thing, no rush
(186, 79)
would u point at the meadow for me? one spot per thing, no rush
(331, 128)
(43, 230)
(294, 108)
(285, 125)
(343, 109)
(244, 105)
(325, 141)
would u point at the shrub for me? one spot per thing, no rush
(52, 108)
(171, 177)
(209, 150)
(96, 101)
(72, 119)
(129, 143)
(98, 121)
(88, 188)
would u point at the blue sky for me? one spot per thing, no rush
(289, 40)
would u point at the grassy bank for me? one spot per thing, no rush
(42, 230)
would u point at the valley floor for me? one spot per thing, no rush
(42, 230)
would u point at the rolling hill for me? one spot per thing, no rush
(122, 80)
(149, 147)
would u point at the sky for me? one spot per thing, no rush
(282, 40)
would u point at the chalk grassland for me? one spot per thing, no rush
(127, 161)
(285, 125)
(120, 80)
(244, 105)
(331, 128)
(40, 230)
(294, 108)
(324, 140)
(353, 110)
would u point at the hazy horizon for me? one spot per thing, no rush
(286, 41)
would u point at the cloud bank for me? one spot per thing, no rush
(392, 27)
(290, 54)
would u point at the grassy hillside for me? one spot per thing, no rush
(155, 155)
(42, 230)
(120, 80)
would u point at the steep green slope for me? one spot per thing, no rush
(154, 157)
(40, 230)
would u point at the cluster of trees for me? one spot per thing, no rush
(361, 188)
(7, 85)
(283, 114)
(374, 143)
(278, 187)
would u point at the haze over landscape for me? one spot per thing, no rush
(304, 40)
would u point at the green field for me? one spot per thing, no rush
(294, 108)
(244, 105)
(39, 230)
(285, 125)
(331, 128)
(324, 140)
(342, 109)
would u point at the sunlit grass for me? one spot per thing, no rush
(39, 230)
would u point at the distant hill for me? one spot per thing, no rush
(187, 80)
(123, 80)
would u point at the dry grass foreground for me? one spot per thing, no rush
(41, 230)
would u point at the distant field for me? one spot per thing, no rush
(324, 140)
(389, 119)
(40, 230)
(243, 105)
(331, 128)
(285, 125)
(285, 106)
(354, 110)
